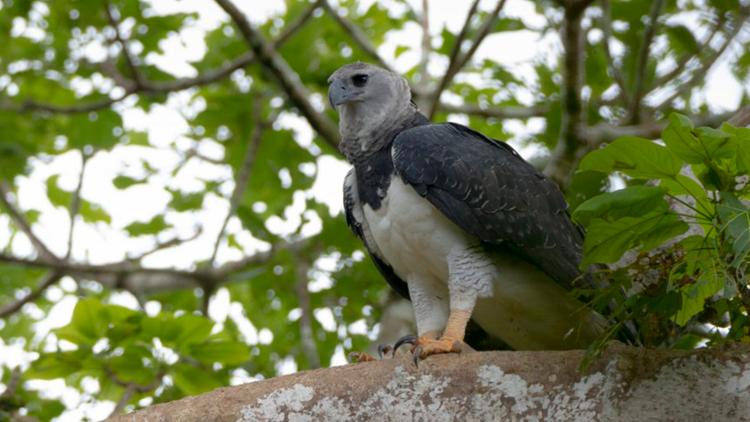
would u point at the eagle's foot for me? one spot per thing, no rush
(426, 346)
(359, 357)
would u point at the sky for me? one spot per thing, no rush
(101, 244)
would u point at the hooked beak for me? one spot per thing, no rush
(338, 93)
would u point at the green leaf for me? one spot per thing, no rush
(694, 296)
(186, 201)
(153, 226)
(89, 323)
(696, 146)
(124, 182)
(57, 196)
(637, 157)
(192, 380)
(736, 219)
(681, 39)
(631, 201)
(606, 241)
(55, 365)
(683, 185)
(401, 49)
(225, 352)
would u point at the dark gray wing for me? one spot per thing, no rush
(488, 190)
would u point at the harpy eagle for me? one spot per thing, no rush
(458, 223)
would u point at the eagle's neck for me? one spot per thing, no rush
(374, 166)
(363, 134)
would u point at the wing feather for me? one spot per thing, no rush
(487, 189)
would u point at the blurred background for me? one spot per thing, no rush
(170, 187)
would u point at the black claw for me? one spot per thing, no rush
(383, 350)
(417, 351)
(410, 339)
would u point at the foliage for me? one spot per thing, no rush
(228, 264)
(674, 243)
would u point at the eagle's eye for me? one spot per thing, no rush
(359, 80)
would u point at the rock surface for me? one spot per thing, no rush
(627, 384)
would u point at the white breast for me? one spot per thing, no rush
(411, 234)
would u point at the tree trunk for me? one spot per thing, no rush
(627, 384)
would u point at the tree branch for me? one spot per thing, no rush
(23, 225)
(357, 35)
(607, 35)
(566, 152)
(48, 280)
(75, 205)
(424, 58)
(129, 60)
(452, 60)
(243, 175)
(640, 70)
(274, 64)
(504, 112)
(680, 66)
(707, 62)
(604, 132)
(147, 87)
(309, 347)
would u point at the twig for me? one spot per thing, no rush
(160, 246)
(243, 175)
(23, 225)
(424, 59)
(607, 35)
(504, 112)
(131, 388)
(641, 67)
(309, 347)
(126, 396)
(683, 62)
(604, 132)
(357, 35)
(484, 30)
(129, 60)
(48, 280)
(274, 64)
(153, 88)
(75, 204)
(707, 63)
(453, 58)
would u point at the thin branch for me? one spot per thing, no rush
(20, 221)
(124, 399)
(48, 280)
(453, 58)
(288, 79)
(356, 34)
(567, 150)
(741, 117)
(243, 175)
(604, 132)
(129, 59)
(484, 30)
(309, 347)
(607, 35)
(504, 112)
(642, 64)
(152, 88)
(424, 59)
(700, 73)
(683, 62)
(75, 204)
(160, 246)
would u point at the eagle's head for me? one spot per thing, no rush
(368, 99)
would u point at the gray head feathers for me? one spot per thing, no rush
(371, 102)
